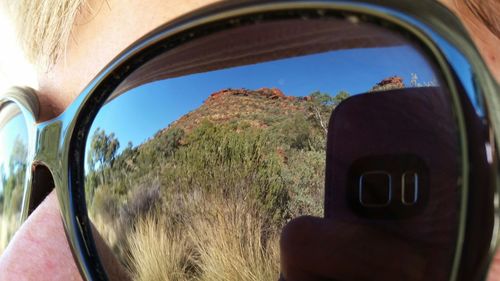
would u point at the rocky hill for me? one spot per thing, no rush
(259, 107)
(254, 107)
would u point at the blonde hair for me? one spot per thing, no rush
(43, 27)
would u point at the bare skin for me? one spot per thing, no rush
(485, 40)
(40, 251)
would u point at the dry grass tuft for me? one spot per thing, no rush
(223, 241)
(234, 244)
(103, 227)
(159, 252)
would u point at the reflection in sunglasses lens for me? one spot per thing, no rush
(334, 136)
(13, 153)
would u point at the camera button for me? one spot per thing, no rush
(410, 185)
(375, 189)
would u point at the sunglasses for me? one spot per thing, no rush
(266, 140)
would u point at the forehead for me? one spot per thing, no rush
(101, 31)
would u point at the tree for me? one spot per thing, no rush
(170, 141)
(414, 80)
(322, 105)
(126, 162)
(340, 97)
(103, 150)
(18, 156)
(415, 83)
(13, 178)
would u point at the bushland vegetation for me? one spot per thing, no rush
(205, 198)
(11, 192)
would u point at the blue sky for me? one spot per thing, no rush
(140, 113)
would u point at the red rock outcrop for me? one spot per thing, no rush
(393, 82)
(269, 93)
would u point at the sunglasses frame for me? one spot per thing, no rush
(59, 144)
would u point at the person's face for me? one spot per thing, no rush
(40, 250)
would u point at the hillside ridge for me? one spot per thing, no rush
(251, 106)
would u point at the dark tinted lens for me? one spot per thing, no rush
(13, 153)
(335, 135)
